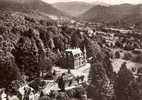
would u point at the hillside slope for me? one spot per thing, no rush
(107, 14)
(28, 6)
(123, 15)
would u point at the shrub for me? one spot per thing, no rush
(136, 52)
(127, 56)
(62, 96)
(137, 59)
(117, 54)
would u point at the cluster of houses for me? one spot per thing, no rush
(125, 39)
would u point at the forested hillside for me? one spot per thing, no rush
(30, 45)
(29, 6)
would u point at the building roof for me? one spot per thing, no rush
(74, 51)
(68, 76)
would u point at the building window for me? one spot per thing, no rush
(134, 69)
(75, 56)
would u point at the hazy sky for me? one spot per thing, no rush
(106, 1)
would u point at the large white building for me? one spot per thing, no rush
(75, 58)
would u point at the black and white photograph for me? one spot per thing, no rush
(70, 49)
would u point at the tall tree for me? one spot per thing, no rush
(123, 82)
(76, 39)
(8, 69)
(100, 87)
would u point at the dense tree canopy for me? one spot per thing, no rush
(101, 86)
(8, 69)
(126, 87)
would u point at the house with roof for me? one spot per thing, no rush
(74, 58)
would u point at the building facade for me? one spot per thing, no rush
(74, 58)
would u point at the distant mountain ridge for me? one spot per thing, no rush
(76, 8)
(114, 13)
(20, 1)
(29, 6)
(95, 3)
(73, 8)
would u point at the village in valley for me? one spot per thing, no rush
(45, 56)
